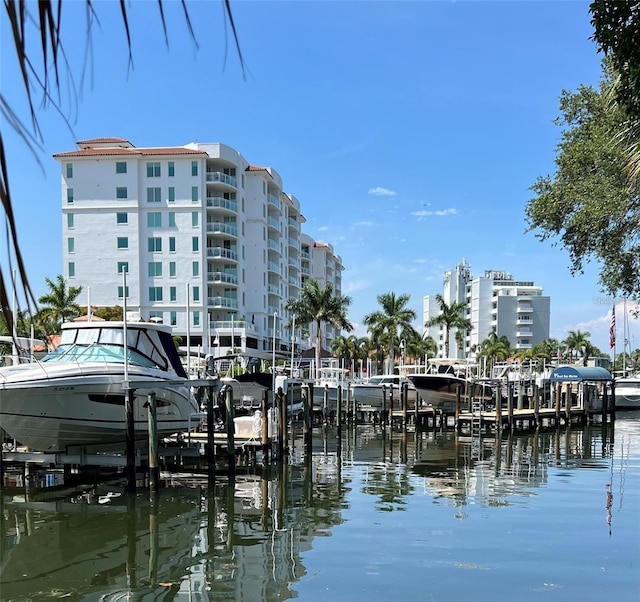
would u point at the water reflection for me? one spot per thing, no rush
(247, 539)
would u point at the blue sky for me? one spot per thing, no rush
(410, 132)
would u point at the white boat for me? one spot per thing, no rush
(330, 379)
(74, 397)
(369, 395)
(627, 395)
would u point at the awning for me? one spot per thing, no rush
(564, 374)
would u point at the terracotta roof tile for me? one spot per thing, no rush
(102, 141)
(133, 152)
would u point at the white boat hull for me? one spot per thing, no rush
(55, 410)
(627, 396)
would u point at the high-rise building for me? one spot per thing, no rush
(494, 302)
(195, 231)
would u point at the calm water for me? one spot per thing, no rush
(426, 516)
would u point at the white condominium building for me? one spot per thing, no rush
(495, 302)
(194, 236)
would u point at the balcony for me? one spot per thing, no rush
(294, 243)
(274, 201)
(273, 289)
(222, 228)
(272, 266)
(294, 224)
(214, 177)
(221, 253)
(221, 278)
(218, 202)
(273, 223)
(222, 302)
(273, 245)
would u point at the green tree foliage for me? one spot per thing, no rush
(450, 316)
(587, 204)
(390, 321)
(320, 306)
(616, 26)
(59, 304)
(494, 349)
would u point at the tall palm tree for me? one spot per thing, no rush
(495, 349)
(319, 306)
(450, 316)
(575, 342)
(59, 304)
(394, 317)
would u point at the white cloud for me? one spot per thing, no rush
(380, 191)
(438, 213)
(363, 224)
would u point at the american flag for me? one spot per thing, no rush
(612, 328)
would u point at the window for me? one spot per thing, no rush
(122, 218)
(172, 219)
(196, 318)
(195, 267)
(123, 242)
(194, 168)
(69, 220)
(173, 295)
(153, 169)
(154, 244)
(195, 243)
(120, 292)
(123, 266)
(71, 245)
(173, 318)
(154, 195)
(154, 219)
(172, 194)
(69, 170)
(155, 293)
(155, 269)
(121, 192)
(196, 293)
(69, 195)
(172, 244)
(72, 269)
(194, 219)
(121, 167)
(172, 268)
(194, 194)
(172, 169)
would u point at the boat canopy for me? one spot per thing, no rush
(563, 374)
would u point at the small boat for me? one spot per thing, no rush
(627, 393)
(369, 394)
(75, 396)
(448, 379)
(330, 379)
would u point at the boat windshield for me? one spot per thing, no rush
(106, 344)
(113, 354)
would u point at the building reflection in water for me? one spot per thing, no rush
(246, 539)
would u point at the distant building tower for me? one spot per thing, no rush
(211, 244)
(496, 303)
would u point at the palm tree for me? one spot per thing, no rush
(495, 349)
(59, 304)
(395, 317)
(450, 316)
(575, 342)
(320, 305)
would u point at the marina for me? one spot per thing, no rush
(422, 514)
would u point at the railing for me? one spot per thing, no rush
(222, 278)
(222, 228)
(222, 253)
(222, 203)
(222, 302)
(272, 199)
(218, 176)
